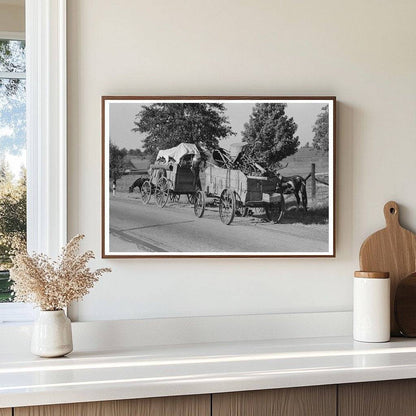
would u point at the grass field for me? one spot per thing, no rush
(300, 162)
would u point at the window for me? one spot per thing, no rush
(45, 50)
(12, 154)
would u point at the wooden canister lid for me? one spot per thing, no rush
(372, 275)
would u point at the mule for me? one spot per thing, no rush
(294, 185)
(138, 183)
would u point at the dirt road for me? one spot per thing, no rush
(146, 228)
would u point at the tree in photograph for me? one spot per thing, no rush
(168, 124)
(270, 134)
(12, 213)
(321, 138)
(135, 152)
(116, 161)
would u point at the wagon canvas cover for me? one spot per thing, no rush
(178, 152)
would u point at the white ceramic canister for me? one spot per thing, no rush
(371, 307)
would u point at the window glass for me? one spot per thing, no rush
(12, 156)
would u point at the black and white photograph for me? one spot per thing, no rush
(218, 176)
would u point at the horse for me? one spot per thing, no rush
(295, 185)
(138, 183)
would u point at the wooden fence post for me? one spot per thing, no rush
(313, 181)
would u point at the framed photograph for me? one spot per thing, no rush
(218, 176)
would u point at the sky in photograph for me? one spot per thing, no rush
(122, 116)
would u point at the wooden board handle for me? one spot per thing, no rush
(391, 214)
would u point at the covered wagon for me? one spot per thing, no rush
(175, 172)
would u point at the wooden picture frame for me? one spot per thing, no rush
(253, 158)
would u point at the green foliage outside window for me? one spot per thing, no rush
(12, 223)
(12, 145)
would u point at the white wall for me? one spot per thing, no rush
(361, 51)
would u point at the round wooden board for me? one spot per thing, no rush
(405, 306)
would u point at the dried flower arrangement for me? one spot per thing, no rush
(53, 285)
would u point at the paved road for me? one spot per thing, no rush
(147, 228)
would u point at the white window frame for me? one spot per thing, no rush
(46, 127)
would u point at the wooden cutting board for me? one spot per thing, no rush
(393, 250)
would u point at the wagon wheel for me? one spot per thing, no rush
(227, 206)
(174, 197)
(274, 212)
(137, 190)
(191, 198)
(240, 209)
(162, 192)
(199, 205)
(146, 192)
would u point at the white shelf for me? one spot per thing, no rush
(151, 371)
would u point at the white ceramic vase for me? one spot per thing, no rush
(52, 334)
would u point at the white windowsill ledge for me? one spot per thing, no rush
(16, 314)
